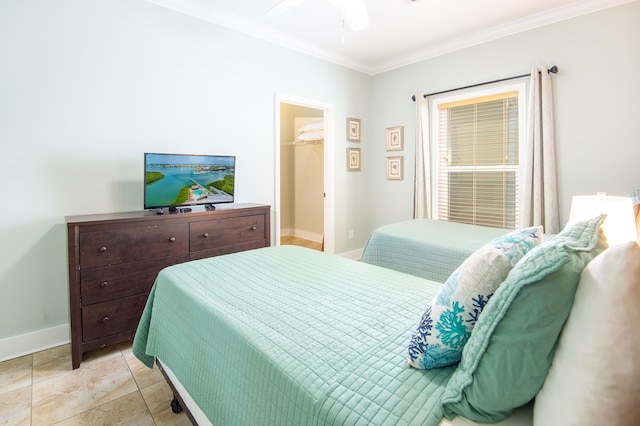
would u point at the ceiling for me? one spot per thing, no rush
(401, 32)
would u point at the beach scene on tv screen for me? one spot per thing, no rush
(185, 179)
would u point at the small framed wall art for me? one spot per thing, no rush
(395, 138)
(353, 129)
(353, 159)
(394, 168)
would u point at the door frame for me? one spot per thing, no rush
(329, 169)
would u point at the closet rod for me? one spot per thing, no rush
(553, 69)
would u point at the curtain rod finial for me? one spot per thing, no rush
(554, 69)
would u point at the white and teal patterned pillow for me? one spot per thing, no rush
(448, 320)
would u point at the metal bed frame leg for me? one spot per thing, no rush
(175, 405)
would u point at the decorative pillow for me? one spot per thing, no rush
(447, 323)
(594, 378)
(507, 357)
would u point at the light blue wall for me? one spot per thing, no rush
(86, 87)
(596, 103)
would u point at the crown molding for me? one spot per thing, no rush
(202, 11)
(531, 22)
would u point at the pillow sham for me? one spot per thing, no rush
(594, 377)
(507, 357)
(447, 322)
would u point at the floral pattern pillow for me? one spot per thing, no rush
(448, 320)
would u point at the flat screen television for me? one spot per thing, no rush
(181, 180)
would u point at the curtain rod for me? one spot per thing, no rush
(553, 69)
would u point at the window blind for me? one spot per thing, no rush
(478, 160)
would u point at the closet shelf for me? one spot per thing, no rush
(303, 143)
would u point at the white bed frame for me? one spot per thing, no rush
(522, 417)
(186, 403)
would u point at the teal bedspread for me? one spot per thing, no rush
(291, 336)
(426, 248)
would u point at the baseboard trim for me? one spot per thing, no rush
(287, 232)
(36, 341)
(305, 235)
(353, 254)
(316, 238)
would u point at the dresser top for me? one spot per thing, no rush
(151, 214)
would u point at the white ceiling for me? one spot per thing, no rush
(401, 32)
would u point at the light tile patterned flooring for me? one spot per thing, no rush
(111, 387)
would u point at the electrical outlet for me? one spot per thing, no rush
(351, 234)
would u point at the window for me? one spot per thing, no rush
(477, 157)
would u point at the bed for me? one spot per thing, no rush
(303, 342)
(290, 336)
(426, 248)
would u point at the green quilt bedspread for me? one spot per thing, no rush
(426, 248)
(291, 336)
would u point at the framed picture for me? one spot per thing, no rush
(395, 138)
(353, 129)
(394, 168)
(353, 159)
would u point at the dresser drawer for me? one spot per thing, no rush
(107, 318)
(226, 232)
(126, 279)
(104, 248)
(202, 254)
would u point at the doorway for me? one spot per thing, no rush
(304, 173)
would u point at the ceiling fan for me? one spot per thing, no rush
(354, 11)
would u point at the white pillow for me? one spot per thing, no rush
(316, 125)
(594, 379)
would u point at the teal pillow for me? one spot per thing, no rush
(509, 352)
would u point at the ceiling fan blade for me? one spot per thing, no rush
(283, 6)
(356, 14)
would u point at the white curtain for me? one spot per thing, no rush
(422, 184)
(539, 200)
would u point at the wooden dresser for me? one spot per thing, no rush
(115, 258)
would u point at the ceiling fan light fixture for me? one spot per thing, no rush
(355, 13)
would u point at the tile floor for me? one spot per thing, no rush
(111, 387)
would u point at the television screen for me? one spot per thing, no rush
(187, 180)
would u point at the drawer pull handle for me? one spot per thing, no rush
(172, 239)
(205, 235)
(102, 249)
(253, 228)
(103, 284)
(105, 320)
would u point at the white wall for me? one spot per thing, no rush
(596, 103)
(86, 87)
